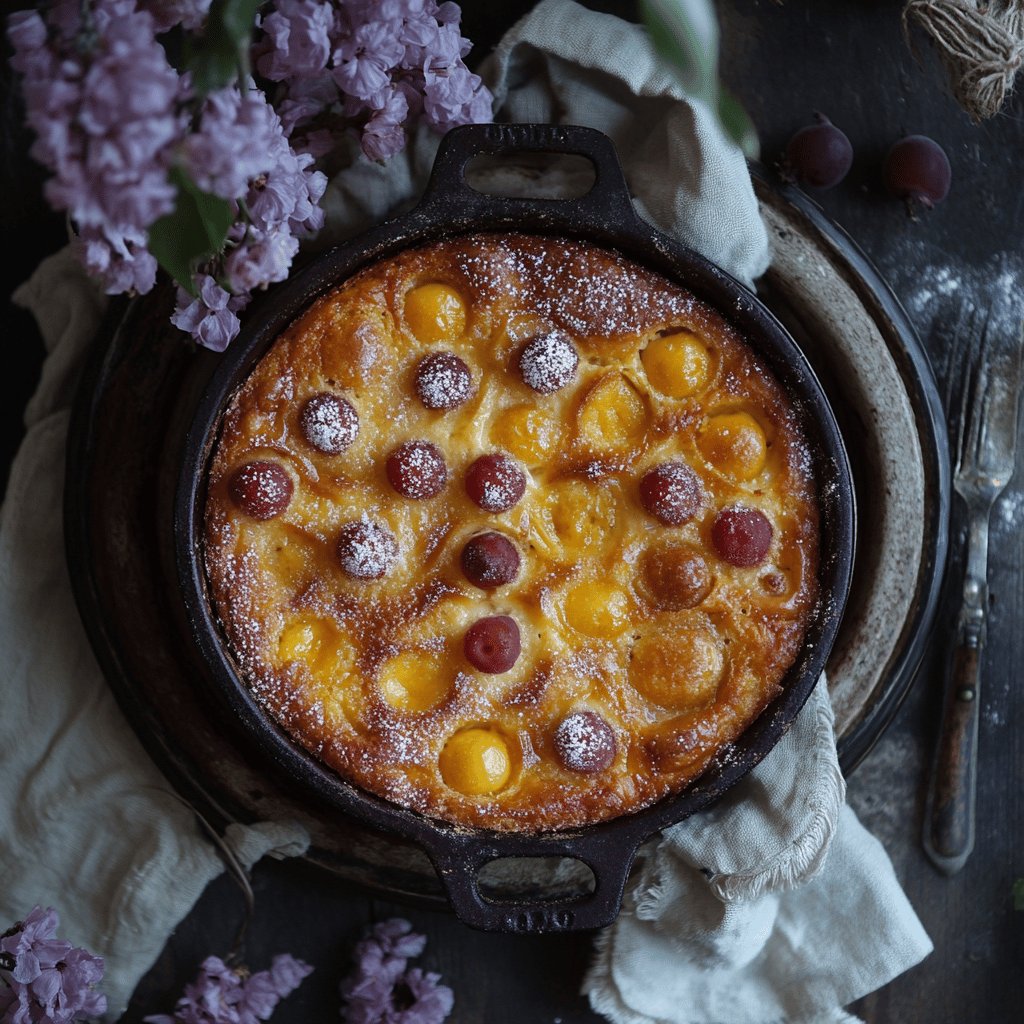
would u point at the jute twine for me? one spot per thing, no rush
(981, 42)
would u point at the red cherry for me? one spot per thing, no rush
(495, 482)
(548, 362)
(490, 560)
(672, 493)
(329, 423)
(417, 469)
(585, 742)
(366, 549)
(492, 645)
(443, 380)
(261, 489)
(742, 536)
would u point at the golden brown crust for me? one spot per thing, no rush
(677, 679)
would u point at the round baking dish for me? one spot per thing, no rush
(606, 217)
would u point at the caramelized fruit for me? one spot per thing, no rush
(261, 489)
(490, 560)
(329, 423)
(675, 576)
(416, 469)
(495, 482)
(493, 645)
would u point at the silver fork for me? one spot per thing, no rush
(986, 448)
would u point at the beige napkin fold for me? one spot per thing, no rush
(774, 907)
(88, 824)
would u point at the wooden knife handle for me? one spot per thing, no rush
(949, 818)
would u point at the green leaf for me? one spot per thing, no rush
(238, 17)
(685, 35)
(737, 125)
(193, 233)
(221, 54)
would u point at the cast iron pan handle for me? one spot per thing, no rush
(449, 196)
(458, 860)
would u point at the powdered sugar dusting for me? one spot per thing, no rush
(329, 423)
(548, 362)
(366, 549)
(443, 381)
(417, 469)
(261, 489)
(585, 742)
(495, 482)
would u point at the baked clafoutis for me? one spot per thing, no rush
(512, 531)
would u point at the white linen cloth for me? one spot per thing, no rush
(88, 824)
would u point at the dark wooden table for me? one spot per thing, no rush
(850, 61)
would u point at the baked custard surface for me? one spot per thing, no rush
(512, 531)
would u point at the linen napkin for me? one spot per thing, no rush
(87, 823)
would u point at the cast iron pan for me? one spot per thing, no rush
(605, 216)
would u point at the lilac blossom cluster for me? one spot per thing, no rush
(239, 152)
(383, 989)
(223, 995)
(46, 980)
(115, 122)
(104, 104)
(379, 64)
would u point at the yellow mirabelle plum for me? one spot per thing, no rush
(678, 365)
(476, 761)
(612, 418)
(734, 443)
(597, 608)
(526, 432)
(435, 313)
(413, 681)
(584, 514)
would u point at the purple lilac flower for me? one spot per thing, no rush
(210, 318)
(454, 96)
(304, 99)
(261, 258)
(103, 102)
(363, 60)
(121, 262)
(51, 981)
(431, 1002)
(382, 991)
(298, 42)
(189, 14)
(222, 995)
(234, 143)
(390, 51)
(383, 134)
(241, 153)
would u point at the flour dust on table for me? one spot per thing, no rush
(936, 295)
